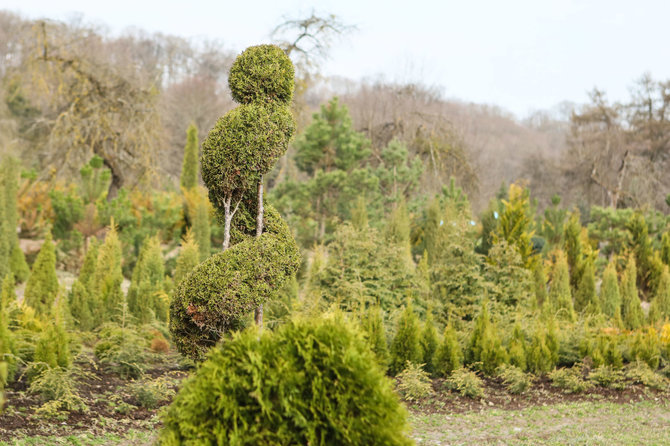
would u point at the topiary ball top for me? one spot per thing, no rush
(262, 73)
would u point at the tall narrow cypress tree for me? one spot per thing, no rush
(189, 257)
(610, 296)
(660, 305)
(560, 295)
(42, 286)
(631, 308)
(189, 166)
(406, 345)
(107, 279)
(201, 228)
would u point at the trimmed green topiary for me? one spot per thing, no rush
(222, 289)
(244, 145)
(310, 382)
(262, 73)
(260, 254)
(42, 287)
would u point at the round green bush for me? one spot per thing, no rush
(243, 145)
(262, 73)
(310, 382)
(220, 291)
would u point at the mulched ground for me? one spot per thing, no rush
(112, 409)
(105, 394)
(542, 393)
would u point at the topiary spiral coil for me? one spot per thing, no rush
(259, 253)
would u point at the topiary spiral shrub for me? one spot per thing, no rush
(259, 253)
(310, 382)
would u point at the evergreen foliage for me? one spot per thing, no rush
(540, 284)
(361, 269)
(9, 220)
(310, 382)
(631, 309)
(517, 348)
(485, 350)
(509, 282)
(649, 265)
(201, 228)
(542, 352)
(228, 285)
(260, 255)
(429, 344)
(449, 355)
(659, 309)
(573, 248)
(189, 257)
(42, 286)
(560, 296)
(189, 166)
(585, 297)
(610, 297)
(107, 279)
(406, 345)
(53, 346)
(83, 302)
(7, 347)
(376, 336)
(515, 224)
(146, 285)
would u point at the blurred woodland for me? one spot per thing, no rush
(71, 90)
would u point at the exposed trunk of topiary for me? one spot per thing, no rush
(228, 218)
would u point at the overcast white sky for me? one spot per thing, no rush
(519, 54)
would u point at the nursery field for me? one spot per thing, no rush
(542, 415)
(312, 281)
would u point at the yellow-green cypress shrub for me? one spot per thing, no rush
(429, 344)
(189, 257)
(189, 166)
(660, 305)
(559, 300)
(309, 382)
(449, 355)
(107, 279)
(610, 297)
(406, 345)
(42, 286)
(376, 336)
(485, 350)
(631, 308)
(146, 283)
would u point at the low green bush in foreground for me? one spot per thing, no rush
(310, 382)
